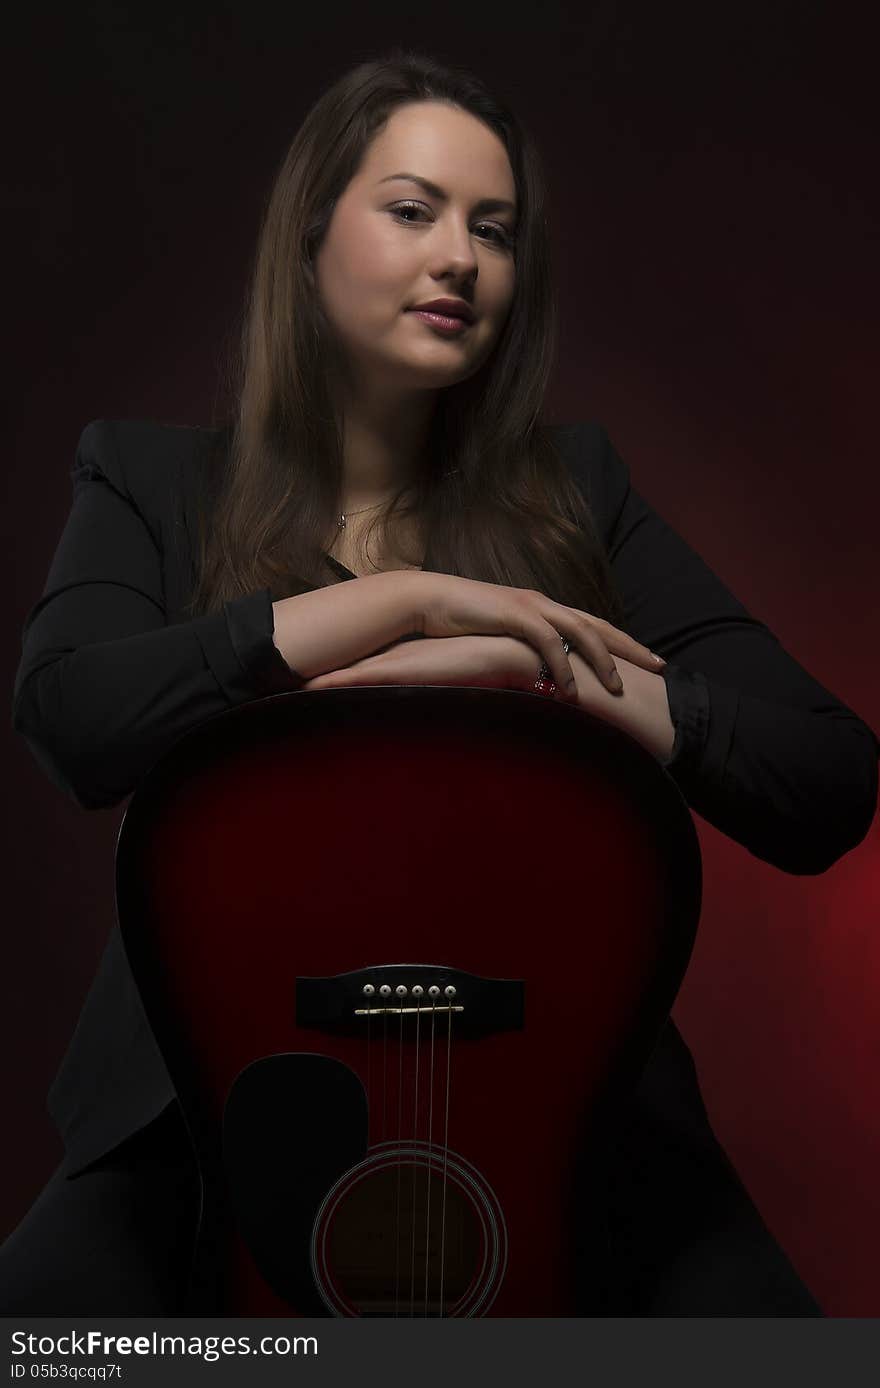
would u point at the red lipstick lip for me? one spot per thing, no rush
(453, 308)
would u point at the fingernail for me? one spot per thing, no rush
(616, 682)
(659, 659)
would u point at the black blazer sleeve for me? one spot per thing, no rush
(762, 751)
(105, 685)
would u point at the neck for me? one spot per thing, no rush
(383, 446)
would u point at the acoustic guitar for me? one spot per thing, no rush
(404, 950)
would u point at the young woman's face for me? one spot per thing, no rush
(392, 244)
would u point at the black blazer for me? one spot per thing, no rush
(113, 672)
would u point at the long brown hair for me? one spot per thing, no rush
(494, 499)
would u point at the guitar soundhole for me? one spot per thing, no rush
(405, 1234)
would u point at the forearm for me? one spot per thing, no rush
(642, 710)
(332, 627)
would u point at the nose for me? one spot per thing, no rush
(455, 254)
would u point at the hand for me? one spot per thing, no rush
(448, 605)
(491, 662)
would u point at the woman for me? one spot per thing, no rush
(387, 476)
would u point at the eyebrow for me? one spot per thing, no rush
(484, 204)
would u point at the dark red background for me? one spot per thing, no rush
(712, 171)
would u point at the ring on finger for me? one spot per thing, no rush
(545, 683)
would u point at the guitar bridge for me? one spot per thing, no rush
(479, 1005)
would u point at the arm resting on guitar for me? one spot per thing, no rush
(106, 686)
(762, 751)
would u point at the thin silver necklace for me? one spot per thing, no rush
(340, 524)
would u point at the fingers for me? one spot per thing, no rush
(457, 606)
(333, 680)
(590, 645)
(594, 639)
(619, 643)
(361, 672)
(388, 666)
(546, 633)
(545, 639)
(577, 629)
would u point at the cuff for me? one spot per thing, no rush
(704, 717)
(239, 648)
(688, 697)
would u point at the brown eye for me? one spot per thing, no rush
(500, 236)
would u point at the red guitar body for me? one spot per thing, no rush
(290, 876)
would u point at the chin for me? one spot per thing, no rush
(430, 374)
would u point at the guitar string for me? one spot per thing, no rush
(430, 1140)
(368, 1089)
(415, 1167)
(384, 1075)
(369, 1086)
(399, 1170)
(430, 1130)
(445, 1155)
